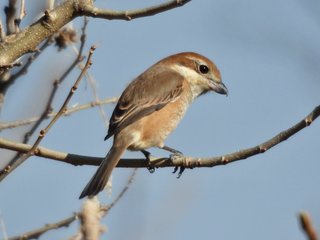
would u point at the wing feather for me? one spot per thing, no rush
(148, 93)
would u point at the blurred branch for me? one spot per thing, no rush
(19, 123)
(6, 82)
(48, 107)
(2, 33)
(307, 226)
(35, 234)
(104, 209)
(28, 39)
(182, 161)
(21, 15)
(10, 12)
(103, 114)
(26, 66)
(56, 83)
(90, 217)
(9, 168)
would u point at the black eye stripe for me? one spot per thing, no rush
(203, 69)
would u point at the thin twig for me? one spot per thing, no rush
(3, 228)
(2, 32)
(103, 114)
(167, 162)
(11, 65)
(5, 85)
(9, 168)
(46, 111)
(64, 105)
(10, 12)
(20, 123)
(65, 13)
(79, 57)
(35, 234)
(128, 15)
(307, 226)
(105, 209)
(21, 15)
(67, 221)
(56, 83)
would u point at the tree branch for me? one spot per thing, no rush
(92, 11)
(307, 226)
(27, 40)
(11, 166)
(35, 234)
(20, 123)
(183, 161)
(10, 12)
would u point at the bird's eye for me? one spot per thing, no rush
(203, 69)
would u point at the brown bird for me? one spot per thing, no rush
(151, 107)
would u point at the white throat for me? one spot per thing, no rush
(198, 82)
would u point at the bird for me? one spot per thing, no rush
(151, 107)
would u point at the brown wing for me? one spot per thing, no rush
(148, 93)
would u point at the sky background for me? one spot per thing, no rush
(268, 53)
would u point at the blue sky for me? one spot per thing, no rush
(268, 53)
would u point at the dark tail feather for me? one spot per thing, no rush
(100, 178)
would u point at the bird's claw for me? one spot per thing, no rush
(151, 169)
(173, 157)
(147, 154)
(180, 171)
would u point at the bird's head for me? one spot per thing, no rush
(201, 73)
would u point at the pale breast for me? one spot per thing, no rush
(152, 130)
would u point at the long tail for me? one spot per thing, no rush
(100, 178)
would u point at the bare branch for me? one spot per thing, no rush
(79, 57)
(10, 65)
(167, 162)
(90, 218)
(91, 11)
(28, 63)
(56, 83)
(103, 114)
(28, 39)
(21, 15)
(2, 33)
(9, 168)
(35, 234)
(107, 208)
(67, 221)
(10, 12)
(307, 226)
(20, 123)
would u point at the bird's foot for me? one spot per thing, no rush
(147, 154)
(173, 158)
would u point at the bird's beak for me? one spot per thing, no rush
(218, 87)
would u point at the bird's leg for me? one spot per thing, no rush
(169, 149)
(147, 154)
(175, 154)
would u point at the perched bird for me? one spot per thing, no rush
(151, 107)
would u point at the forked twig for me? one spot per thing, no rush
(69, 111)
(43, 132)
(67, 221)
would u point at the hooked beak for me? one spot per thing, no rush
(218, 87)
